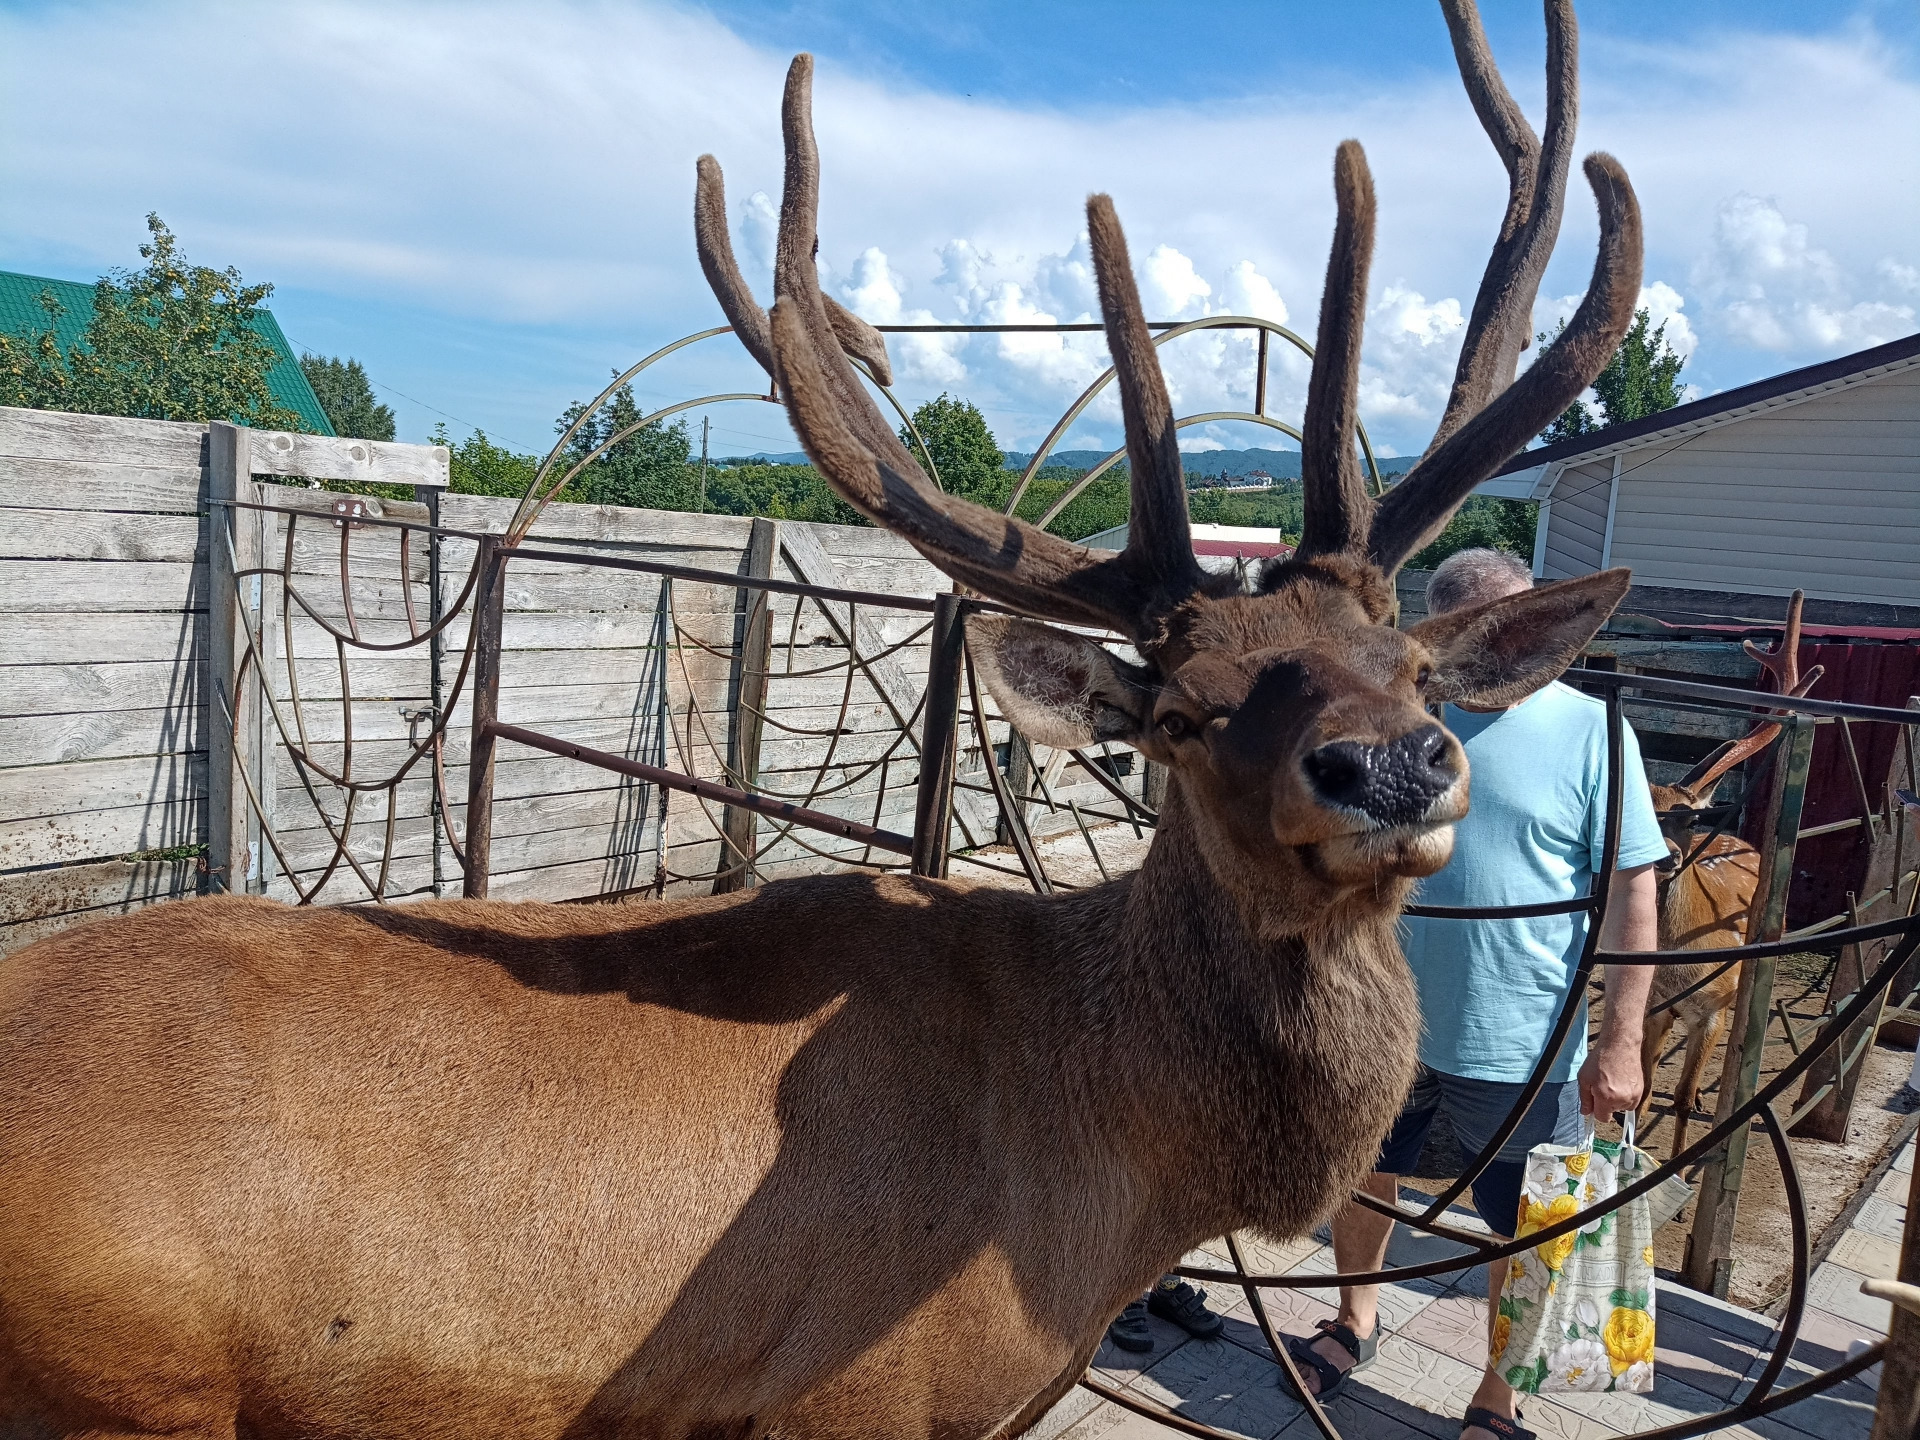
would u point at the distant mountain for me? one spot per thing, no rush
(1281, 464)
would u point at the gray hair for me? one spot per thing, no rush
(1472, 577)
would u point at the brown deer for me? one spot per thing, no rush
(1707, 893)
(839, 1156)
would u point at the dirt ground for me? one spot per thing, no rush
(1831, 1175)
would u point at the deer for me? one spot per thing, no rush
(845, 1155)
(1707, 892)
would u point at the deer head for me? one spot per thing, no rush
(1292, 717)
(1678, 805)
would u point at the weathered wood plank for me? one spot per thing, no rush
(328, 457)
(83, 485)
(31, 790)
(102, 735)
(101, 439)
(98, 834)
(70, 689)
(129, 585)
(59, 638)
(44, 534)
(610, 523)
(107, 887)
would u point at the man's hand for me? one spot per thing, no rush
(1612, 1078)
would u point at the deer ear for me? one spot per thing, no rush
(1056, 687)
(1502, 651)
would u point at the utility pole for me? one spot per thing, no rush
(703, 464)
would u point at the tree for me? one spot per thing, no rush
(170, 342)
(1642, 378)
(477, 466)
(968, 461)
(1484, 522)
(346, 395)
(648, 469)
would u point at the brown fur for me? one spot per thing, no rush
(839, 1157)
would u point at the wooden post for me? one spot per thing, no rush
(1709, 1264)
(1841, 1065)
(752, 659)
(1153, 787)
(429, 495)
(489, 610)
(933, 806)
(1019, 782)
(1896, 1412)
(235, 751)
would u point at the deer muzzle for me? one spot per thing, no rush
(1395, 784)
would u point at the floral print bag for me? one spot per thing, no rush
(1577, 1312)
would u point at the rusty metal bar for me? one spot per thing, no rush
(489, 608)
(888, 840)
(940, 733)
(1709, 1263)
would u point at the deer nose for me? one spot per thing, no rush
(1392, 784)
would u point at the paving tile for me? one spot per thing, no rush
(1881, 1217)
(1424, 1379)
(1836, 1289)
(1895, 1187)
(1122, 1367)
(1454, 1325)
(1824, 1341)
(1221, 1385)
(1356, 1421)
(1671, 1403)
(1555, 1422)
(1072, 1407)
(1109, 1422)
(1399, 1303)
(1265, 1256)
(1869, 1254)
(1692, 1354)
(1831, 1416)
(1293, 1312)
(1903, 1163)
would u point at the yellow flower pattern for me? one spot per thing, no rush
(1502, 1329)
(1553, 1254)
(1577, 1163)
(1628, 1336)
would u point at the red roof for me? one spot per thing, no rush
(1248, 549)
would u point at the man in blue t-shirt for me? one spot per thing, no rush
(1490, 991)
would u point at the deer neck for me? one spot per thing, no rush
(1242, 1037)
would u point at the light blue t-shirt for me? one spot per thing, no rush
(1491, 989)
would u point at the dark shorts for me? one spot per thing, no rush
(1475, 1108)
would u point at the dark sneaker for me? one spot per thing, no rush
(1130, 1331)
(1187, 1308)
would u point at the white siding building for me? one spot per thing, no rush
(1807, 480)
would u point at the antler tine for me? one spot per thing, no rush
(1159, 538)
(1501, 322)
(860, 456)
(1416, 509)
(1334, 498)
(743, 312)
(1783, 663)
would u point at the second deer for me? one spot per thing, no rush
(1707, 893)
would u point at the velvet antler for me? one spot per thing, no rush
(1489, 414)
(1783, 664)
(857, 451)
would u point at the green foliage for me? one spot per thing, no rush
(1275, 509)
(169, 342)
(1484, 522)
(964, 452)
(1642, 378)
(647, 469)
(346, 395)
(480, 467)
(779, 492)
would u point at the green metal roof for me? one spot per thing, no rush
(20, 314)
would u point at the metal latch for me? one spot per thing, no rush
(349, 512)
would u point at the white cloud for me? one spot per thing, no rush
(523, 177)
(1774, 289)
(873, 292)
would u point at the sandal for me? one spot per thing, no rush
(1497, 1425)
(1331, 1376)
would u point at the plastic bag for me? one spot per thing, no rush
(1576, 1313)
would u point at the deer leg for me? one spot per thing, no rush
(1702, 1036)
(1652, 1041)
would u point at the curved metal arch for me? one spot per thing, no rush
(1074, 491)
(1206, 322)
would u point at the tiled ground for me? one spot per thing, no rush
(1433, 1344)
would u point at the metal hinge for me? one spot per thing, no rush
(349, 513)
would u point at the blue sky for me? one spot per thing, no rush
(489, 204)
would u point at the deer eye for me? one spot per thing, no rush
(1420, 680)
(1175, 726)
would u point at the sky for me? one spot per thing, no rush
(490, 205)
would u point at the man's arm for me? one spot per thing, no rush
(1611, 1080)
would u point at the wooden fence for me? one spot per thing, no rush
(107, 797)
